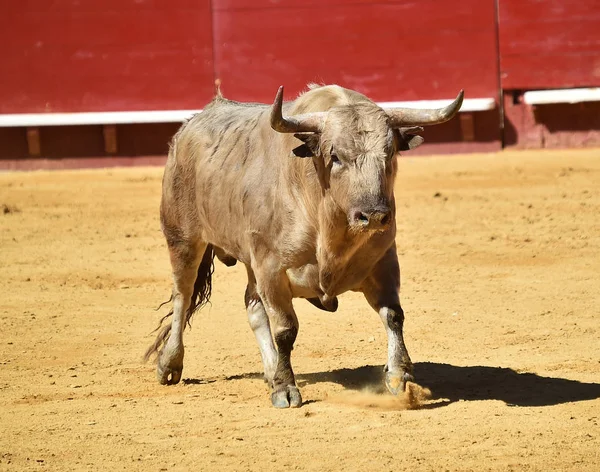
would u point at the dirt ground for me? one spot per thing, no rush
(500, 256)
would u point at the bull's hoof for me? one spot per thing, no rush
(288, 397)
(168, 375)
(169, 366)
(396, 382)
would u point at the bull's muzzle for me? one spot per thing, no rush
(375, 219)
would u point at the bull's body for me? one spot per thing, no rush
(310, 228)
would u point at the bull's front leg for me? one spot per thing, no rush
(275, 293)
(381, 289)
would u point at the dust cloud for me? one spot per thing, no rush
(413, 398)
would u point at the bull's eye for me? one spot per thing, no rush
(335, 159)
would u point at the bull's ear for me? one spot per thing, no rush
(310, 147)
(302, 151)
(408, 138)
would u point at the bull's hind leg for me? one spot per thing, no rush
(259, 322)
(185, 261)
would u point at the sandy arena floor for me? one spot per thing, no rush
(501, 287)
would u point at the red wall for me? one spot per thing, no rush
(549, 43)
(389, 50)
(95, 55)
(104, 55)
(111, 55)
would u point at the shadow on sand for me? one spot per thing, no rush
(469, 383)
(453, 383)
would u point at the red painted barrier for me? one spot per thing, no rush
(389, 50)
(105, 55)
(122, 55)
(549, 44)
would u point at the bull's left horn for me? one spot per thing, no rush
(416, 117)
(305, 123)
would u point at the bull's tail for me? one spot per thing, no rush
(200, 297)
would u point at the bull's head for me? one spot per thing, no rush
(354, 148)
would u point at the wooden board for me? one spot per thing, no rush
(105, 55)
(389, 50)
(549, 44)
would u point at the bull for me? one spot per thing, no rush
(302, 194)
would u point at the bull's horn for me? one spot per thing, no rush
(415, 117)
(305, 123)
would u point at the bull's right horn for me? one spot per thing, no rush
(305, 123)
(416, 117)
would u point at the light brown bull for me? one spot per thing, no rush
(305, 201)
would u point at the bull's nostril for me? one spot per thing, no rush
(360, 217)
(386, 219)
